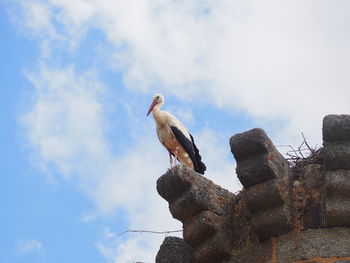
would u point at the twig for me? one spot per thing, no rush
(302, 156)
(147, 231)
(307, 145)
(299, 148)
(290, 146)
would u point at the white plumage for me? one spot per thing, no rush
(175, 137)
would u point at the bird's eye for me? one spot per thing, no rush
(157, 97)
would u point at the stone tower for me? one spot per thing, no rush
(282, 215)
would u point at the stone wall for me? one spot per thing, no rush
(282, 215)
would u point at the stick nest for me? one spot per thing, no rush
(303, 155)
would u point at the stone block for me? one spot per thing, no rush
(257, 158)
(175, 250)
(312, 244)
(336, 142)
(200, 227)
(258, 253)
(195, 193)
(271, 222)
(337, 198)
(264, 173)
(205, 209)
(336, 128)
(216, 249)
(170, 187)
(189, 204)
(337, 183)
(269, 204)
(252, 142)
(306, 198)
(337, 155)
(259, 168)
(263, 196)
(337, 212)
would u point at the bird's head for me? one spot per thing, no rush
(158, 99)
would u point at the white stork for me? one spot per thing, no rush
(175, 137)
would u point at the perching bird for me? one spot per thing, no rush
(175, 137)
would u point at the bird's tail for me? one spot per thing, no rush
(199, 166)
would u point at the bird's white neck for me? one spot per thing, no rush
(158, 114)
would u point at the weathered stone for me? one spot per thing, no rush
(337, 183)
(337, 212)
(171, 187)
(243, 235)
(252, 142)
(336, 141)
(259, 168)
(268, 202)
(206, 211)
(271, 222)
(189, 204)
(265, 175)
(306, 198)
(337, 156)
(196, 193)
(215, 250)
(337, 198)
(313, 243)
(200, 227)
(336, 128)
(259, 253)
(262, 196)
(257, 158)
(175, 250)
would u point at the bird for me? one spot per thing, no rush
(175, 137)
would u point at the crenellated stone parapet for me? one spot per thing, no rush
(264, 173)
(282, 215)
(336, 142)
(212, 224)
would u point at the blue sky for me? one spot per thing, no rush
(79, 159)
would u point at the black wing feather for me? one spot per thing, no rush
(190, 148)
(200, 165)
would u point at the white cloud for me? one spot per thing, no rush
(30, 246)
(277, 61)
(65, 125)
(274, 60)
(136, 249)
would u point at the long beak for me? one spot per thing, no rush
(151, 107)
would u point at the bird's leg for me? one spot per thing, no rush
(171, 160)
(175, 153)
